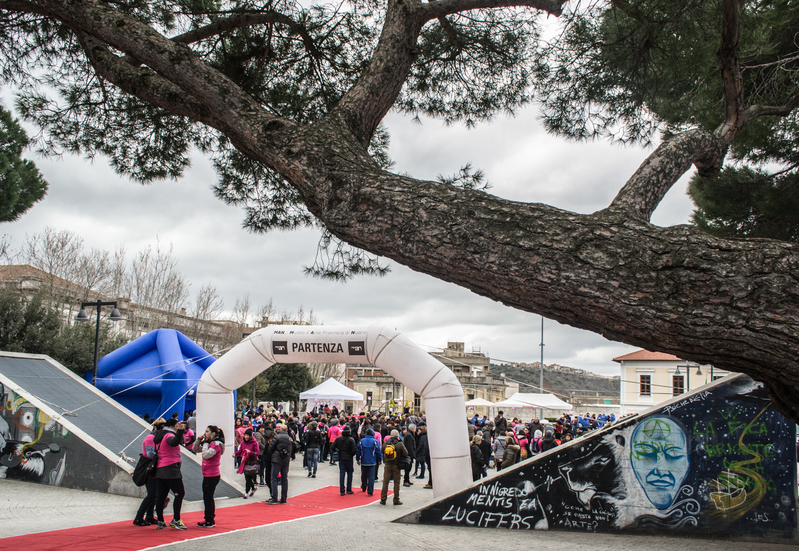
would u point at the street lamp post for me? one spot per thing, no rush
(83, 316)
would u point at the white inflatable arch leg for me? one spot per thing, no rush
(384, 348)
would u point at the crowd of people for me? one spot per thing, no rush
(266, 441)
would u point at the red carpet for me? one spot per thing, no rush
(123, 536)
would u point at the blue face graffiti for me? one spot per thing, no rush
(659, 457)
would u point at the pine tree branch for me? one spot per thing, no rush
(731, 70)
(771, 110)
(644, 191)
(434, 10)
(248, 20)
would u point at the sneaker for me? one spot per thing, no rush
(397, 503)
(250, 493)
(177, 525)
(350, 492)
(160, 525)
(206, 524)
(282, 502)
(428, 486)
(151, 521)
(342, 494)
(245, 496)
(271, 502)
(313, 476)
(309, 474)
(138, 522)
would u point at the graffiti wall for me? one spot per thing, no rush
(35, 448)
(719, 462)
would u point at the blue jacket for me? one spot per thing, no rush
(368, 452)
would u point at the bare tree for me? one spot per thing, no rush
(207, 307)
(6, 254)
(155, 283)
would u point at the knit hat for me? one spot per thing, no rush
(248, 432)
(370, 432)
(395, 433)
(346, 431)
(537, 434)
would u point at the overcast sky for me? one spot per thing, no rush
(520, 160)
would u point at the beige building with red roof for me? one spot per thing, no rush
(648, 378)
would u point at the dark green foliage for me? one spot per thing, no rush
(742, 202)
(286, 381)
(34, 328)
(644, 65)
(21, 184)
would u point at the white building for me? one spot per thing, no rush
(648, 378)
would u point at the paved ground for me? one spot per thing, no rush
(30, 508)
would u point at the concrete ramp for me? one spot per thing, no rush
(59, 430)
(718, 462)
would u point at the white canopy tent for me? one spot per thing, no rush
(329, 391)
(549, 404)
(479, 402)
(546, 401)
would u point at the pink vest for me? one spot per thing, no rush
(167, 455)
(211, 466)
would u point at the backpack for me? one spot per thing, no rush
(390, 453)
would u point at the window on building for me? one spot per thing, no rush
(389, 395)
(368, 395)
(470, 397)
(677, 385)
(645, 385)
(417, 402)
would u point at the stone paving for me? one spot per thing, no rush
(27, 508)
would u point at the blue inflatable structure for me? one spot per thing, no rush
(155, 374)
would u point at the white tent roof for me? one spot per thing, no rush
(534, 400)
(331, 390)
(479, 402)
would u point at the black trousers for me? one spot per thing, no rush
(164, 485)
(209, 487)
(147, 507)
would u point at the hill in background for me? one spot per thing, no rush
(572, 385)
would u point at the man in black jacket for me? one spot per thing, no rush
(280, 450)
(500, 425)
(346, 448)
(410, 444)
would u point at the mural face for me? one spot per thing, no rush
(659, 458)
(721, 461)
(29, 442)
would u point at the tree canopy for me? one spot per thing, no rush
(21, 184)
(288, 101)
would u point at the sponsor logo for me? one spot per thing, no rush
(356, 348)
(280, 347)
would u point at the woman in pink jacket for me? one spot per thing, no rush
(250, 464)
(211, 445)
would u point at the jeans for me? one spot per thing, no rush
(209, 487)
(345, 470)
(283, 471)
(312, 459)
(368, 478)
(164, 485)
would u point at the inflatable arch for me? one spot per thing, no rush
(384, 348)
